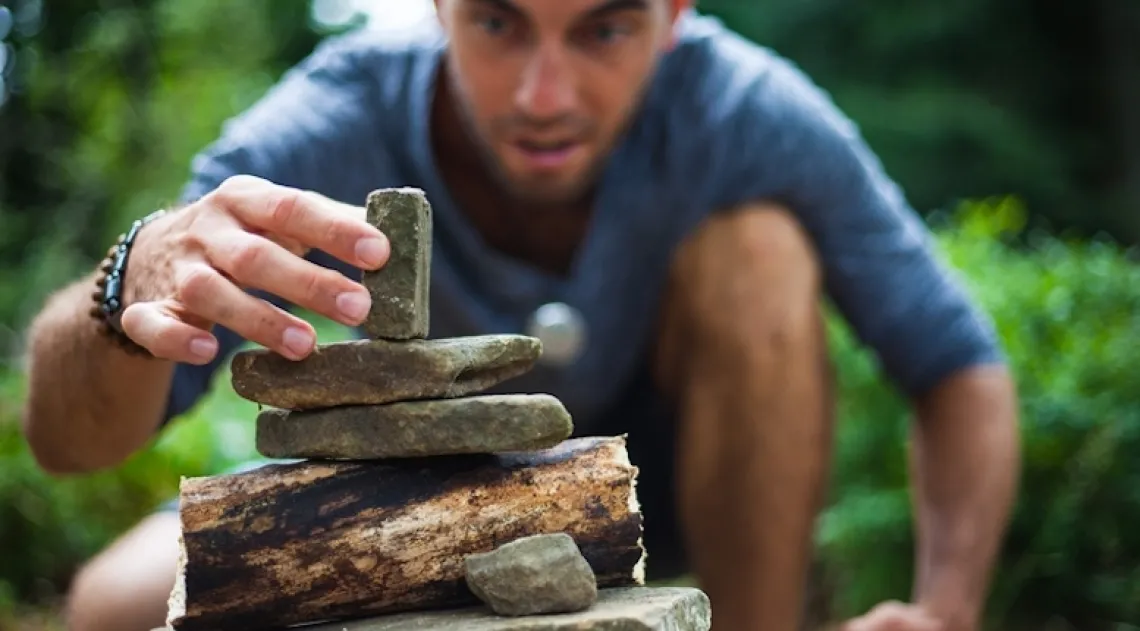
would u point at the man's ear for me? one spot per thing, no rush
(676, 8)
(439, 14)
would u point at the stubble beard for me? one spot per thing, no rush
(534, 195)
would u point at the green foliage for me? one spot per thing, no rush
(48, 526)
(970, 99)
(115, 103)
(1069, 316)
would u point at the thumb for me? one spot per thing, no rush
(154, 326)
(893, 616)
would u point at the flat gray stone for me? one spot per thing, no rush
(617, 609)
(533, 575)
(400, 288)
(371, 372)
(473, 425)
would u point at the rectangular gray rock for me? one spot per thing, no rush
(483, 424)
(617, 609)
(400, 289)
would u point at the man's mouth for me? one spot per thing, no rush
(544, 145)
(546, 154)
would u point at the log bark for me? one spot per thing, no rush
(320, 540)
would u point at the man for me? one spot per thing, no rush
(690, 196)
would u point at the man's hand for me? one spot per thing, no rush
(190, 269)
(896, 616)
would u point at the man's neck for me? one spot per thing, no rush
(544, 237)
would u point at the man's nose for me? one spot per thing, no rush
(548, 87)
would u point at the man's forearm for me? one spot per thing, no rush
(965, 465)
(89, 404)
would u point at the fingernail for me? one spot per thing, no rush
(298, 341)
(203, 348)
(372, 251)
(354, 304)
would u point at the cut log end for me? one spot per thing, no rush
(176, 605)
(312, 541)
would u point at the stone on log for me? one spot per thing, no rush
(481, 424)
(318, 541)
(533, 575)
(617, 609)
(371, 372)
(400, 288)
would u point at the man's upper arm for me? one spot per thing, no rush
(879, 263)
(303, 133)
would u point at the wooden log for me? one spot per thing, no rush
(320, 540)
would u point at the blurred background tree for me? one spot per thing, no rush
(1033, 106)
(1038, 98)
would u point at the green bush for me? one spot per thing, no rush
(48, 526)
(1069, 316)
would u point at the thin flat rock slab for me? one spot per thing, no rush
(617, 609)
(400, 289)
(316, 541)
(533, 575)
(482, 424)
(372, 372)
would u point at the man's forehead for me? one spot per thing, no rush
(563, 8)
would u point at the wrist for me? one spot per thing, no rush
(110, 296)
(954, 606)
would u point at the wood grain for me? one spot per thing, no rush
(320, 540)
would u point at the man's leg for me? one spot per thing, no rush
(126, 586)
(742, 353)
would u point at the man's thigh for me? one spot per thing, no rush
(126, 586)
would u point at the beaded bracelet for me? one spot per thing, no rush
(108, 295)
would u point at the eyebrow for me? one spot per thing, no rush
(603, 9)
(615, 6)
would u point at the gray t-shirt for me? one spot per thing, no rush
(725, 122)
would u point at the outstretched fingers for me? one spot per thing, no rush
(205, 292)
(305, 217)
(254, 261)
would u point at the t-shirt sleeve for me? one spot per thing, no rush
(880, 267)
(301, 133)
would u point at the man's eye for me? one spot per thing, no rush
(606, 33)
(493, 24)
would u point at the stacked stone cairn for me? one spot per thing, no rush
(398, 396)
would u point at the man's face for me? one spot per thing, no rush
(547, 86)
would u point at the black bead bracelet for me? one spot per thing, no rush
(108, 295)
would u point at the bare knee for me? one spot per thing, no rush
(125, 587)
(744, 287)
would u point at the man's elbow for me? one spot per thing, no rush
(52, 460)
(982, 395)
(987, 380)
(60, 453)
